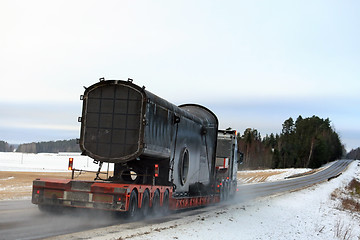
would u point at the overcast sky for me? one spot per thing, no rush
(254, 63)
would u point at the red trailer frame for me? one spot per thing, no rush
(113, 196)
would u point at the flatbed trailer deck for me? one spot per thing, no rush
(113, 196)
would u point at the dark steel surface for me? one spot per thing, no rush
(112, 121)
(121, 121)
(22, 220)
(204, 140)
(124, 123)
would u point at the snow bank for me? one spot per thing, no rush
(305, 214)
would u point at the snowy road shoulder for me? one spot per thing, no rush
(306, 214)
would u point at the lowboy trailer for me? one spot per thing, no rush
(165, 157)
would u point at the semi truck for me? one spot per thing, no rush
(165, 157)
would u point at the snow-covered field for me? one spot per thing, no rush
(18, 170)
(44, 162)
(269, 175)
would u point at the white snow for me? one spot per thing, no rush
(18, 188)
(5, 179)
(304, 214)
(45, 162)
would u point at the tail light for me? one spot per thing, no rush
(156, 170)
(71, 161)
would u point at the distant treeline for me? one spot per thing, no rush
(354, 154)
(49, 147)
(5, 147)
(305, 143)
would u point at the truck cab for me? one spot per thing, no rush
(227, 158)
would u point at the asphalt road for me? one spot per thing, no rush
(251, 191)
(22, 220)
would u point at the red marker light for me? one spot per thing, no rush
(38, 192)
(156, 170)
(71, 161)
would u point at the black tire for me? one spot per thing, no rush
(156, 203)
(165, 205)
(133, 205)
(145, 204)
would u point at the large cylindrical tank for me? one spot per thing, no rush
(122, 122)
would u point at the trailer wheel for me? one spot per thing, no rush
(133, 205)
(156, 202)
(165, 205)
(145, 203)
